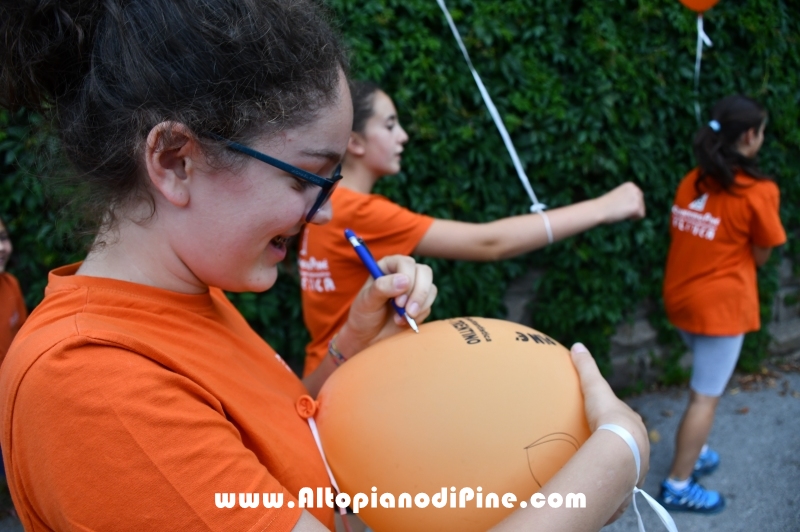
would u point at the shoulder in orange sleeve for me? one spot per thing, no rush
(173, 407)
(766, 227)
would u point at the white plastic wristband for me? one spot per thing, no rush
(660, 510)
(547, 227)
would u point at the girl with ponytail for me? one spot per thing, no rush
(331, 273)
(724, 223)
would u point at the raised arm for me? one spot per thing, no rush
(515, 235)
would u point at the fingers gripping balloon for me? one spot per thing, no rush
(468, 408)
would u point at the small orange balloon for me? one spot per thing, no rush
(699, 5)
(465, 412)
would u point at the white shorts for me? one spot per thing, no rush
(714, 361)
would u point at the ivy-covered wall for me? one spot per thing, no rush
(593, 92)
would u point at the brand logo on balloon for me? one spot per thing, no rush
(470, 402)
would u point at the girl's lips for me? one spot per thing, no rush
(278, 245)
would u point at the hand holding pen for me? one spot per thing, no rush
(374, 270)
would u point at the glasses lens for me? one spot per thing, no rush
(325, 193)
(324, 196)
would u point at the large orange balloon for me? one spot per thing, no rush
(474, 403)
(699, 5)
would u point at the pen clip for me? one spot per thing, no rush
(364, 245)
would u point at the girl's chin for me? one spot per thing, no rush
(393, 170)
(260, 279)
(255, 288)
(264, 280)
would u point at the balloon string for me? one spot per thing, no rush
(701, 39)
(662, 513)
(660, 510)
(536, 205)
(342, 511)
(313, 425)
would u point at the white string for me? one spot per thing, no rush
(536, 205)
(313, 425)
(342, 511)
(701, 39)
(660, 510)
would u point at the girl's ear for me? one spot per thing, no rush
(357, 144)
(171, 157)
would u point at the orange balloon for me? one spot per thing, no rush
(476, 403)
(699, 5)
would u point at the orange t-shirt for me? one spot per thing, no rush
(330, 271)
(129, 407)
(12, 311)
(710, 282)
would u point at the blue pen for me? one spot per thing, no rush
(374, 270)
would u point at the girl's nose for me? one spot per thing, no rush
(403, 138)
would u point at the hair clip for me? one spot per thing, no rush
(714, 125)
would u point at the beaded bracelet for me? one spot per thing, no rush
(336, 355)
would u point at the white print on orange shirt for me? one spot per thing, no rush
(315, 275)
(699, 204)
(700, 225)
(466, 497)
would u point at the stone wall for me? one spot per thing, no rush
(634, 345)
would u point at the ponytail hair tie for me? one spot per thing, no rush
(714, 125)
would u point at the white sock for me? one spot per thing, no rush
(678, 485)
(704, 449)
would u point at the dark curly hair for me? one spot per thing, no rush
(108, 71)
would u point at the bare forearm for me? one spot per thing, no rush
(603, 470)
(521, 234)
(507, 237)
(314, 381)
(348, 344)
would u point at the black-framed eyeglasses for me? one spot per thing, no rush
(327, 185)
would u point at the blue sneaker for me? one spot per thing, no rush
(692, 498)
(706, 464)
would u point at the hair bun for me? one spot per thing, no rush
(46, 48)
